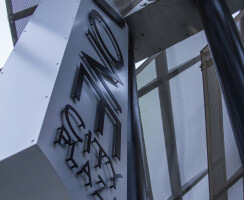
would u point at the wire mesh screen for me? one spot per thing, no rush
(146, 75)
(224, 162)
(185, 50)
(22, 5)
(233, 162)
(202, 133)
(155, 145)
(21, 24)
(199, 192)
(189, 119)
(19, 13)
(236, 191)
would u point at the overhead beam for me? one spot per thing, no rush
(164, 23)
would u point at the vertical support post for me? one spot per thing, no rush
(139, 186)
(214, 127)
(227, 51)
(168, 124)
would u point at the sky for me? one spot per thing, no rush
(6, 44)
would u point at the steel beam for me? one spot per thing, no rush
(236, 177)
(137, 160)
(189, 185)
(168, 124)
(214, 127)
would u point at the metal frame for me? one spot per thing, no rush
(214, 127)
(171, 74)
(168, 124)
(162, 83)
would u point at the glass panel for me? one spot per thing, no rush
(199, 192)
(236, 191)
(232, 158)
(185, 50)
(146, 75)
(189, 120)
(155, 144)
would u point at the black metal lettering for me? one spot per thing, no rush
(115, 176)
(94, 16)
(70, 108)
(101, 154)
(78, 85)
(101, 70)
(97, 192)
(71, 156)
(110, 12)
(88, 143)
(100, 120)
(86, 169)
(63, 136)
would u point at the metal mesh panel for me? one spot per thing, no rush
(236, 191)
(21, 24)
(214, 122)
(232, 157)
(19, 5)
(189, 119)
(146, 75)
(185, 50)
(199, 192)
(155, 144)
(224, 161)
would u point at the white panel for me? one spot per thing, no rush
(155, 144)
(199, 191)
(28, 77)
(189, 120)
(232, 157)
(185, 50)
